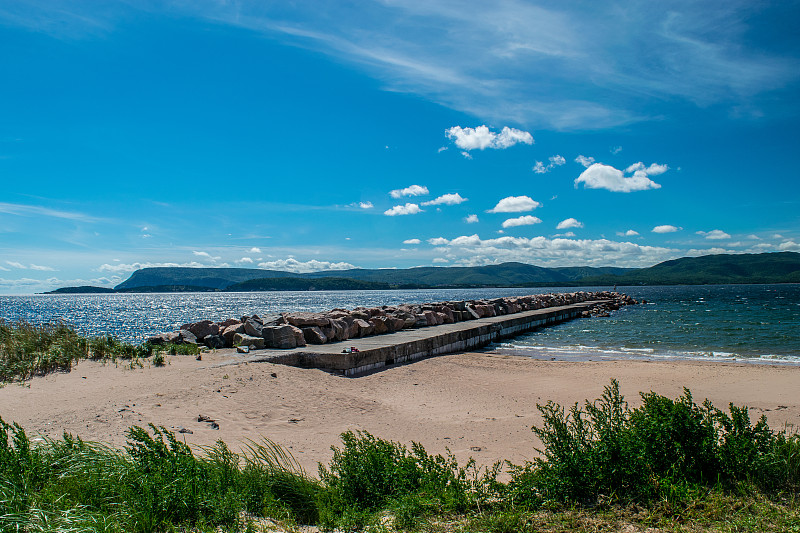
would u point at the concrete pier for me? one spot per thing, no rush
(412, 344)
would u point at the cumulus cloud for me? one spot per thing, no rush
(440, 260)
(526, 220)
(412, 241)
(569, 223)
(130, 267)
(299, 267)
(365, 205)
(408, 209)
(447, 199)
(471, 219)
(255, 250)
(714, 234)
(789, 246)
(629, 233)
(482, 137)
(244, 260)
(585, 161)
(554, 161)
(515, 204)
(666, 228)
(600, 176)
(412, 190)
(472, 250)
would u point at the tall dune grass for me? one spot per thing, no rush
(675, 459)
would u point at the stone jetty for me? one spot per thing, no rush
(288, 331)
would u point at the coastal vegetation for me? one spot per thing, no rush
(782, 267)
(27, 350)
(670, 464)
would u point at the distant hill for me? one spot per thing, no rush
(779, 267)
(306, 284)
(783, 267)
(83, 289)
(503, 275)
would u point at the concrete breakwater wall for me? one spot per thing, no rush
(410, 345)
(288, 331)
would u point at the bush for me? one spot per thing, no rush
(607, 451)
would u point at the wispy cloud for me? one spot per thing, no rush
(590, 54)
(35, 210)
(554, 161)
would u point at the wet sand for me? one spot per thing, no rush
(476, 404)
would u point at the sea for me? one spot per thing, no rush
(749, 323)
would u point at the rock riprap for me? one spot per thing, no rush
(291, 330)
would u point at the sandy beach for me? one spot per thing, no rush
(476, 404)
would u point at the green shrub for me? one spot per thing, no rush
(662, 448)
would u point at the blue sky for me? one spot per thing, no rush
(304, 136)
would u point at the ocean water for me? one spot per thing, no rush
(758, 323)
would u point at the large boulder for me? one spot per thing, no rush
(364, 328)
(341, 329)
(186, 337)
(203, 328)
(305, 320)
(379, 323)
(243, 339)
(314, 335)
(253, 327)
(225, 323)
(282, 337)
(230, 331)
(299, 338)
(214, 341)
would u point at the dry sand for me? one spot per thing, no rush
(475, 404)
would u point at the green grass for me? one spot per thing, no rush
(28, 350)
(669, 464)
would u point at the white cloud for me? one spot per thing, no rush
(365, 205)
(412, 241)
(754, 237)
(466, 155)
(244, 260)
(585, 161)
(777, 236)
(515, 204)
(207, 256)
(525, 220)
(42, 268)
(447, 199)
(440, 260)
(130, 267)
(555, 161)
(789, 246)
(5, 269)
(600, 176)
(615, 150)
(714, 234)
(28, 210)
(408, 209)
(472, 250)
(412, 190)
(255, 250)
(569, 223)
(293, 265)
(629, 233)
(471, 219)
(666, 228)
(16, 264)
(441, 149)
(482, 137)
